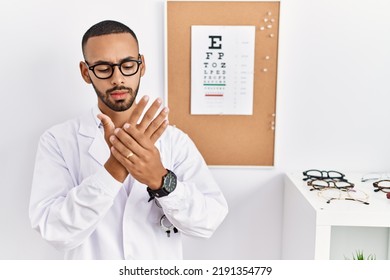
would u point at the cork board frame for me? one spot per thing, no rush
(227, 140)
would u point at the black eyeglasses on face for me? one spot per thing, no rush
(321, 174)
(105, 70)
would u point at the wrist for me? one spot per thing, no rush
(157, 184)
(116, 169)
(168, 186)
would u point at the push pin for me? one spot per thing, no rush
(272, 125)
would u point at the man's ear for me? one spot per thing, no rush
(142, 66)
(85, 72)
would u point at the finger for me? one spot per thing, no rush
(149, 115)
(156, 123)
(156, 135)
(133, 139)
(139, 108)
(122, 148)
(123, 160)
(108, 125)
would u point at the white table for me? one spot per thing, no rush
(308, 219)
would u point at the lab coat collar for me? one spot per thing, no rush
(89, 123)
(89, 127)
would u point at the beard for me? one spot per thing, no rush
(117, 105)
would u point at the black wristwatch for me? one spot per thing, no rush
(168, 186)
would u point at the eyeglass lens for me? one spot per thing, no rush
(105, 70)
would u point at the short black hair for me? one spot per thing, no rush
(104, 28)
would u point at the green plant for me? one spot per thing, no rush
(359, 255)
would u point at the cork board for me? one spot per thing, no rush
(246, 140)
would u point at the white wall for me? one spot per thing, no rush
(332, 106)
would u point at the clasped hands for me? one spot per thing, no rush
(132, 146)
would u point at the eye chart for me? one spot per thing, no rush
(222, 67)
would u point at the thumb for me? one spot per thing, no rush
(108, 125)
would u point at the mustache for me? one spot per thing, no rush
(118, 88)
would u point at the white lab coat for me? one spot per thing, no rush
(78, 207)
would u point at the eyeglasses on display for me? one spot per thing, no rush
(321, 174)
(383, 186)
(319, 184)
(375, 177)
(330, 195)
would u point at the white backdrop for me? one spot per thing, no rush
(332, 106)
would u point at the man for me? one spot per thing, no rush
(112, 184)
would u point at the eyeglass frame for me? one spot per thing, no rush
(112, 65)
(341, 177)
(330, 182)
(348, 191)
(379, 188)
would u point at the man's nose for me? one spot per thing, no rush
(117, 76)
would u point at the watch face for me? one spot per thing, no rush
(170, 182)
